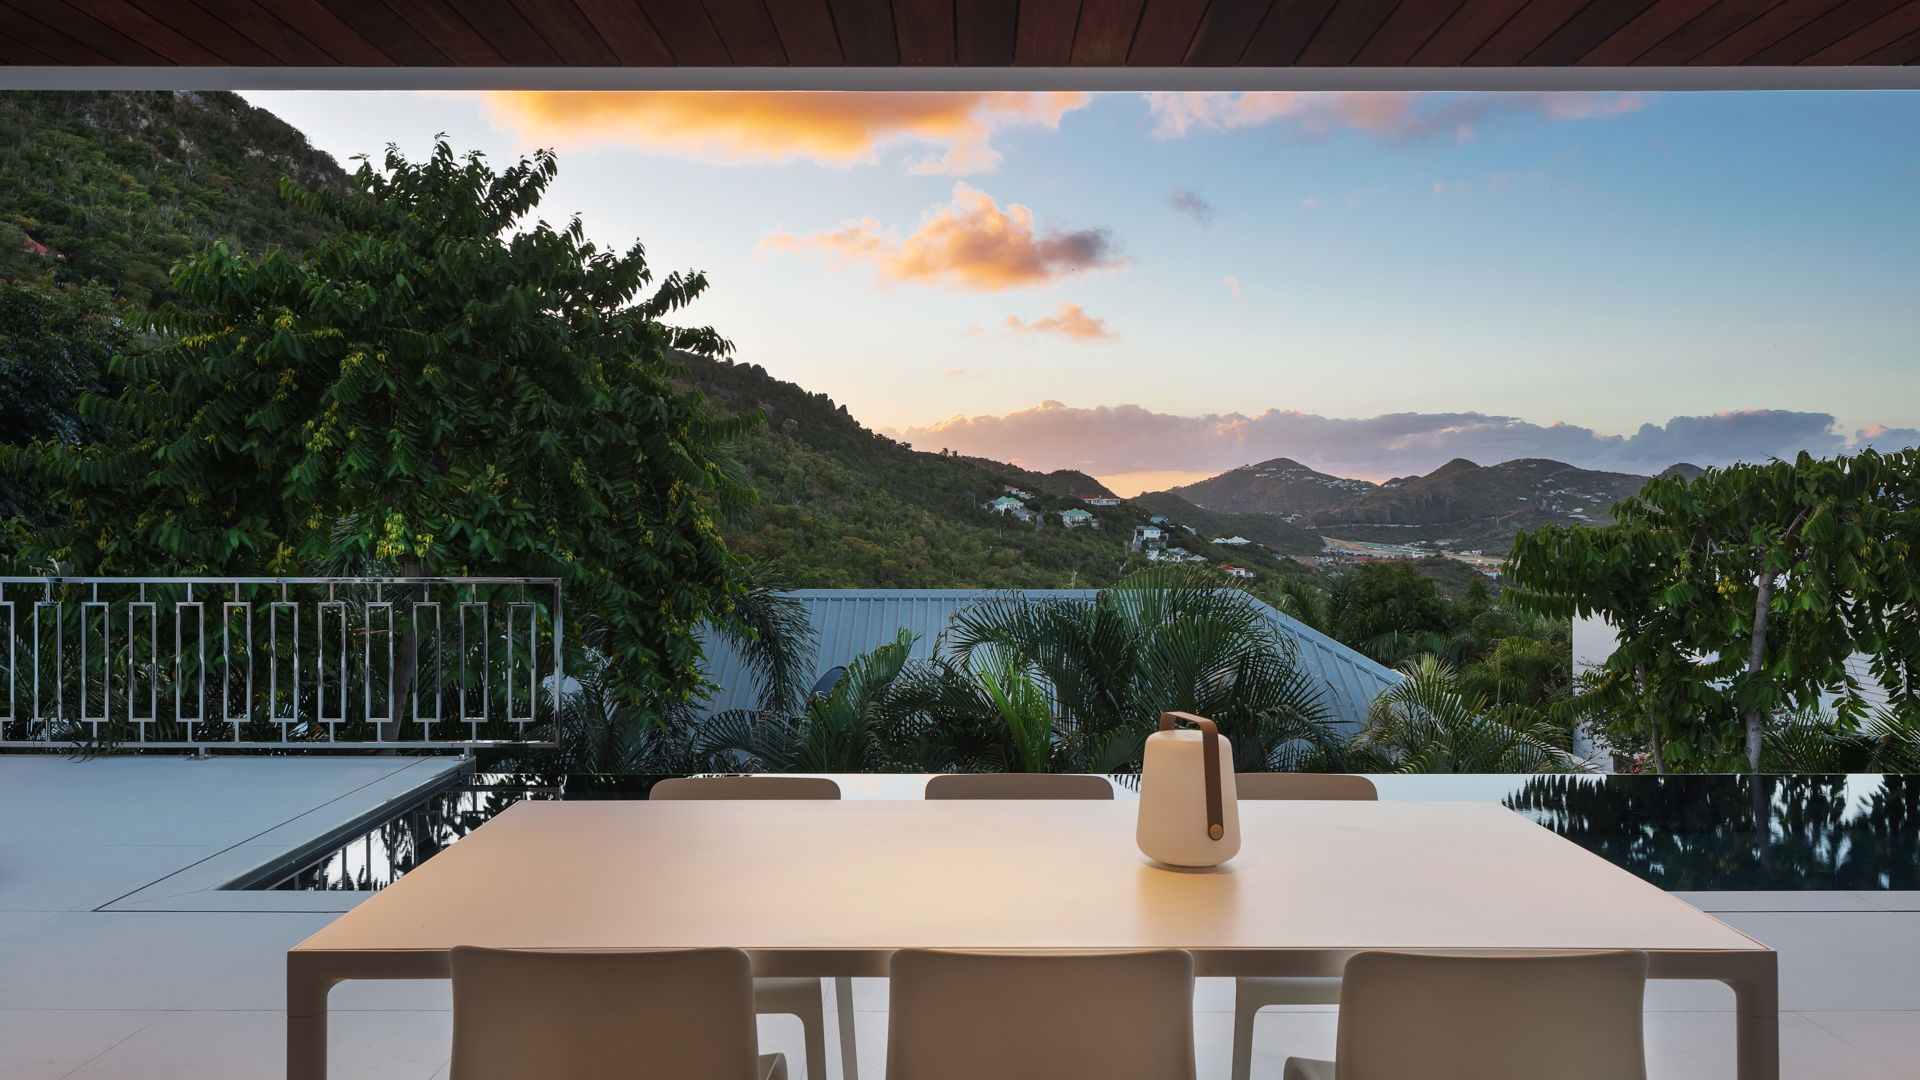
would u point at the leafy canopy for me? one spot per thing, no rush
(434, 386)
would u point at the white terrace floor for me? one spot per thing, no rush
(113, 966)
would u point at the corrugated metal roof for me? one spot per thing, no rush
(854, 621)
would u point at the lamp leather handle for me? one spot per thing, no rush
(1210, 766)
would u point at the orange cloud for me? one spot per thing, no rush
(969, 245)
(1069, 320)
(1233, 285)
(837, 128)
(1393, 116)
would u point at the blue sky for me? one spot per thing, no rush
(1601, 262)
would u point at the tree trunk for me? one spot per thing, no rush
(407, 659)
(1653, 725)
(1756, 660)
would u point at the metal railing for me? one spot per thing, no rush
(280, 662)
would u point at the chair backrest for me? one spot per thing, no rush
(973, 1015)
(746, 787)
(685, 1013)
(1010, 785)
(1303, 785)
(1566, 1016)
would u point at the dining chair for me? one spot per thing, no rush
(1569, 1016)
(684, 1013)
(801, 997)
(1008, 785)
(1250, 995)
(1040, 1016)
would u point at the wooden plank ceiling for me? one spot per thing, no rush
(968, 33)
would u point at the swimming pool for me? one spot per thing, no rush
(1682, 833)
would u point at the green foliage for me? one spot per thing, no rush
(120, 185)
(1430, 723)
(1738, 595)
(432, 386)
(55, 343)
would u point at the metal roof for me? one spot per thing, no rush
(854, 621)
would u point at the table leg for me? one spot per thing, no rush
(307, 1022)
(1756, 995)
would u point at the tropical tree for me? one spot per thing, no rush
(55, 342)
(1427, 723)
(437, 385)
(1739, 595)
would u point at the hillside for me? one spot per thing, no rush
(1065, 483)
(1282, 486)
(1268, 529)
(117, 186)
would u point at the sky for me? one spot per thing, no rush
(1154, 288)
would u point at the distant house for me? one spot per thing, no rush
(1236, 571)
(1098, 500)
(1005, 504)
(1231, 541)
(1075, 518)
(1148, 537)
(1158, 519)
(1016, 492)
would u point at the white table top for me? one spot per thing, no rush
(783, 879)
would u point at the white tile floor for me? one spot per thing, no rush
(99, 981)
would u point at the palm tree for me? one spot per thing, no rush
(1428, 724)
(1103, 670)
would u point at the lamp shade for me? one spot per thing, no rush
(1189, 812)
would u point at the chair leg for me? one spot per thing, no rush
(849, 1049)
(1244, 1013)
(813, 1025)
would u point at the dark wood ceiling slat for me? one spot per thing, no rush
(806, 32)
(1464, 32)
(1284, 33)
(1224, 31)
(1644, 31)
(571, 33)
(1777, 23)
(985, 31)
(99, 36)
(15, 51)
(1599, 21)
(212, 34)
(1863, 43)
(31, 32)
(1711, 25)
(1046, 32)
(627, 32)
(1165, 33)
(1904, 51)
(267, 30)
(747, 31)
(155, 34)
(508, 32)
(348, 31)
(925, 32)
(436, 21)
(1529, 28)
(688, 33)
(1346, 31)
(1105, 32)
(865, 29)
(1410, 26)
(1824, 31)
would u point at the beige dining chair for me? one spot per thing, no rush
(1008, 785)
(1037, 1016)
(801, 997)
(684, 1013)
(1571, 1016)
(1250, 995)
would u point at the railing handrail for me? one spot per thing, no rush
(220, 580)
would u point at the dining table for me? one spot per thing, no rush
(833, 888)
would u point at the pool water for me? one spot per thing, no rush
(1682, 833)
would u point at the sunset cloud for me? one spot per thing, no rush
(1192, 204)
(1127, 439)
(1233, 285)
(1069, 320)
(969, 245)
(835, 128)
(1391, 116)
